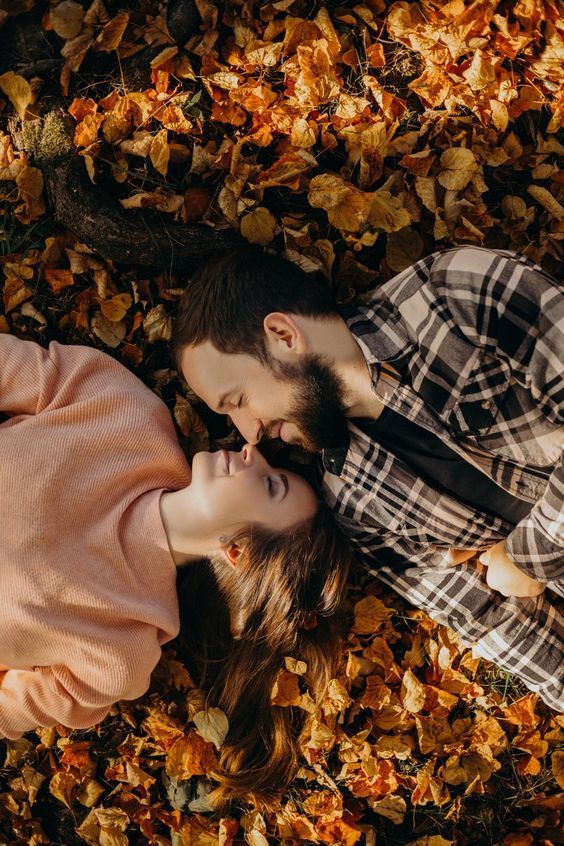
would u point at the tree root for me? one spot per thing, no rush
(100, 222)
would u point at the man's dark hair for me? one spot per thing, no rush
(229, 295)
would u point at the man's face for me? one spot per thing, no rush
(300, 403)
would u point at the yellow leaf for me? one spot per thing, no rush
(399, 746)
(327, 191)
(370, 615)
(15, 291)
(500, 115)
(159, 152)
(303, 134)
(63, 786)
(391, 807)
(295, 666)
(116, 308)
(287, 170)
(376, 695)
(425, 187)
(86, 132)
(162, 57)
(18, 91)
(89, 792)
(433, 86)
(545, 199)
(513, 207)
(412, 692)
(259, 226)
(387, 212)
(481, 71)
(458, 165)
(157, 325)
(285, 690)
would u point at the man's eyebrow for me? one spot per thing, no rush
(286, 486)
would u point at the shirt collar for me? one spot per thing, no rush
(360, 321)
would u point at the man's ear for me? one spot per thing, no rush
(284, 336)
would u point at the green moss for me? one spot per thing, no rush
(48, 137)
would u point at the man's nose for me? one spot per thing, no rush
(251, 428)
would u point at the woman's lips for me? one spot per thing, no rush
(227, 460)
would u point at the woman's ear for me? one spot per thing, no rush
(230, 551)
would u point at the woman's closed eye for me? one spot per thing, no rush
(275, 485)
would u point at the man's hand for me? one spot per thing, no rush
(505, 577)
(459, 556)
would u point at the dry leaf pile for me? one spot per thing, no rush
(353, 138)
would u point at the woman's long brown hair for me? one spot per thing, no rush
(281, 600)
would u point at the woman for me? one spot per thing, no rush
(99, 508)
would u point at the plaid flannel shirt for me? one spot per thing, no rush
(478, 338)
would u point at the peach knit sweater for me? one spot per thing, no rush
(87, 582)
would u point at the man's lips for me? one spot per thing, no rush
(227, 459)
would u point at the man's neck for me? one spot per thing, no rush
(335, 342)
(356, 374)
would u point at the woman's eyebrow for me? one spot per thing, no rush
(222, 399)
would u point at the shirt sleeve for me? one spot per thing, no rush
(508, 306)
(375, 547)
(81, 696)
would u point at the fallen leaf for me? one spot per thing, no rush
(259, 226)
(212, 725)
(18, 91)
(458, 165)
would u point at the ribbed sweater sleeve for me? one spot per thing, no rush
(27, 376)
(81, 696)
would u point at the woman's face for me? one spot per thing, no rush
(237, 488)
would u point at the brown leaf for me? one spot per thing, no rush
(111, 34)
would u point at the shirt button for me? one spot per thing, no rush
(485, 404)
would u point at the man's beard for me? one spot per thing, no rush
(317, 406)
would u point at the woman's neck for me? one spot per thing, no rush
(183, 527)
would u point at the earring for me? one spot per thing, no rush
(223, 538)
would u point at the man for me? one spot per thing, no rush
(438, 407)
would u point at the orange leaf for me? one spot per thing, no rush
(190, 755)
(285, 690)
(58, 278)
